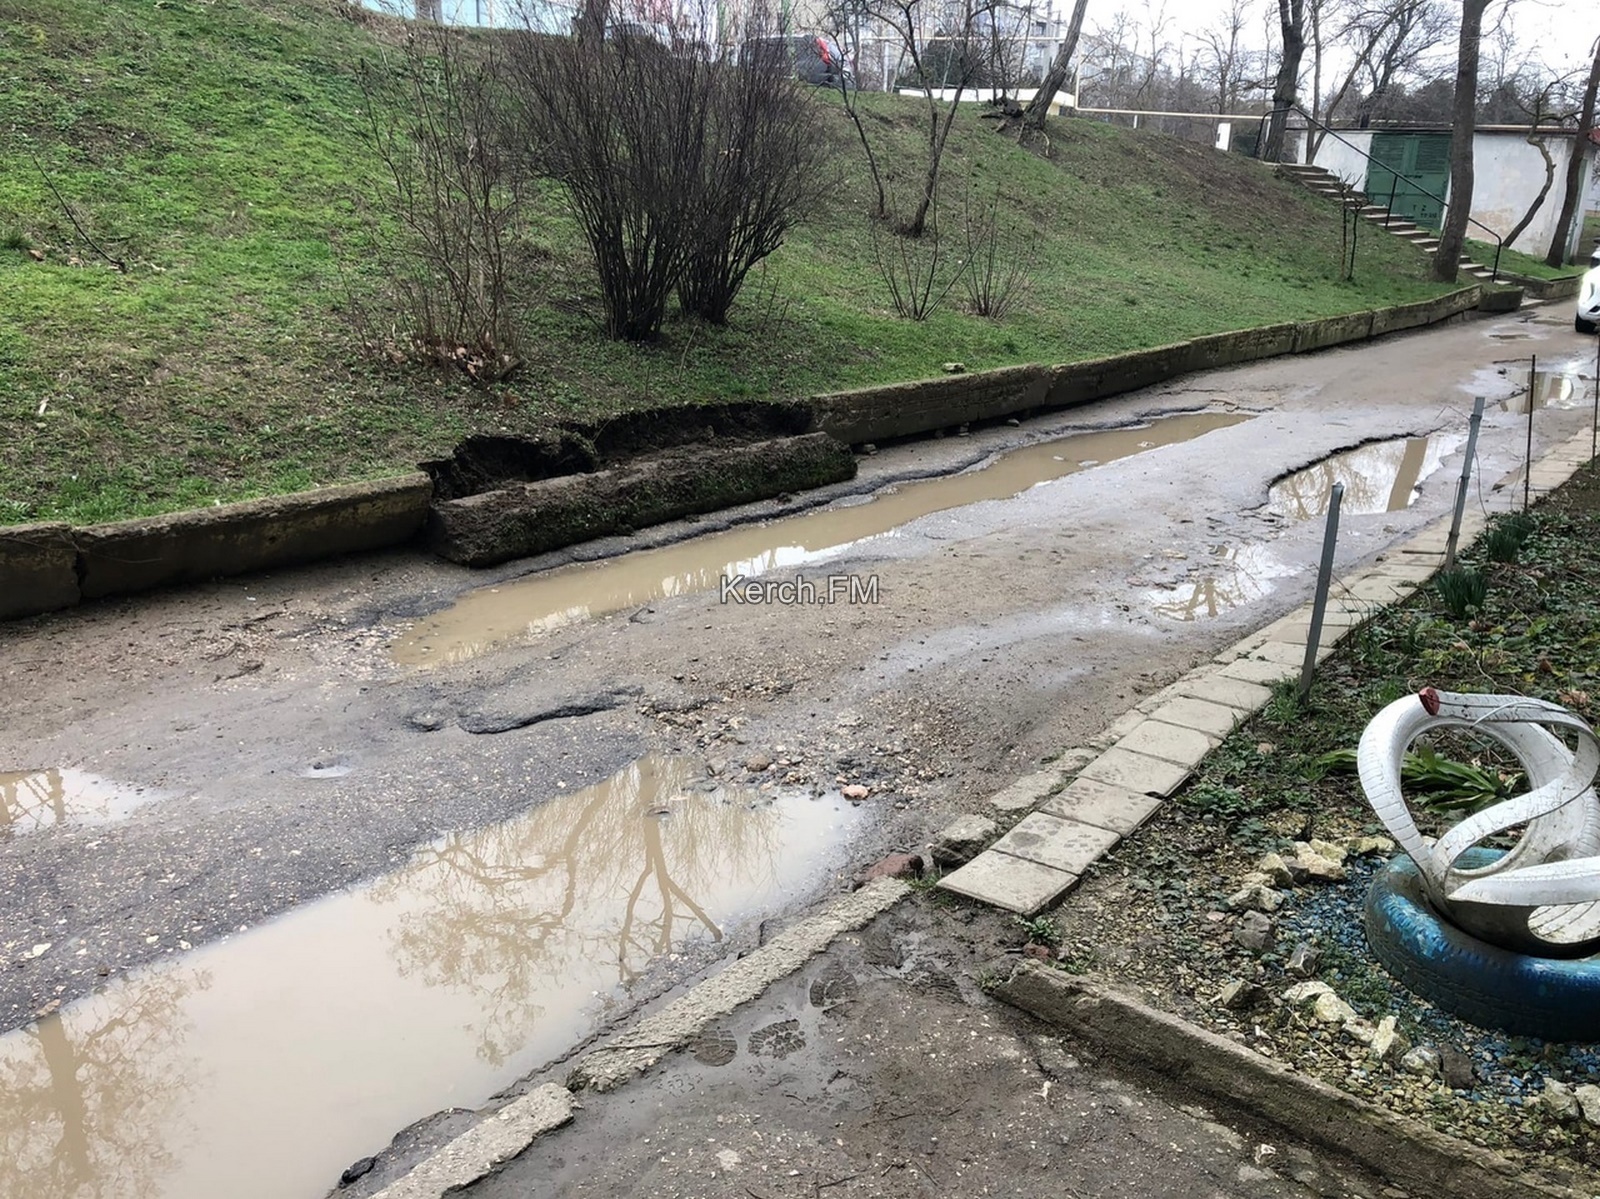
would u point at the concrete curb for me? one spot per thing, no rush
(687, 1017)
(485, 1146)
(1076, 811)
(1401, 1150)
(902, 410)
(502, 1135)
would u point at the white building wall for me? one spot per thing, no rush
(1333, 155)
(1507, 173)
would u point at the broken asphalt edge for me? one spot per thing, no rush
(1403, 1151)
(508, 1131)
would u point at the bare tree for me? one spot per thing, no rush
(1033, 116)
(1291, 23)
(436, 126)
(763, 170)
(621, 124)
(1447, 258)
(1224, 58)
(1575, 164)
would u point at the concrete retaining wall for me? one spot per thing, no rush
(48, 566)
(1545, 289)
(532, 518)
(879, 414)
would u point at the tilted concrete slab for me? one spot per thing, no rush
(1008, 882)
(1136, 772)
(1027, 792)
(1115, 809)
(1169, 742)
(1215, 720)
(1213, 687)
(1054, 841)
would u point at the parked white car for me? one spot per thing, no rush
(1588, 317)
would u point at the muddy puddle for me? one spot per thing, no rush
(1385, 476)
(261, 1066)
(34, 801)
(1230, 576)
(563, 596)
(1549, 390)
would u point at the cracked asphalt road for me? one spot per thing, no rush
(290, 756)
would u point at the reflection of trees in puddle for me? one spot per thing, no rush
(32, 801)
(86, 1096)
(616, 873)
(1241, 574)
(1382, 477)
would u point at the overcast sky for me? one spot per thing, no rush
(1558, 32)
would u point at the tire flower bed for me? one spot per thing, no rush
(1240, 905)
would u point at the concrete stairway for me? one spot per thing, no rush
(1322, 182)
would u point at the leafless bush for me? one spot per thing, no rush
(999, 269)
(621, 123)
(434, 120)
(917, 270)
(764, 168)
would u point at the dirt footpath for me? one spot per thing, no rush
(881, 1070)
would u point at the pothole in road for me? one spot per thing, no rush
(33, 801)
(324, 1031)
(1384, 476)
(569, 594)
(1231, 577)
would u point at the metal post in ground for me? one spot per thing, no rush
(1594, 429)
(1527, 465)
(1319, 606)
(1461, 488)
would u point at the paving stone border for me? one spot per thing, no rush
(1076, 810)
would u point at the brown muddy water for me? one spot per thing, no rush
(1385, 476)
(551, 599)
(33, 801)
(261, 1066)
(1230, 576)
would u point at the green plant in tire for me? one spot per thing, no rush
(1462, 590)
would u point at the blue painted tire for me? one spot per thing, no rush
(1484, 985)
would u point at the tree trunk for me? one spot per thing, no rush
(1447, 258)
(1033, 116)
(1292, 17)
(1538, 201)
(1575, 165)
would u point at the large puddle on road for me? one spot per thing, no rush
(259, 1067)
(1385, 476)
(33, 801)
(563, 596)
(1230, 577)
(1549, 390)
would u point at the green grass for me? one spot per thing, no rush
(215, 145)
(1517, 262)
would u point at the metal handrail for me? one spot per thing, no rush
(1394, 178)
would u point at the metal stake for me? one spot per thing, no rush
(1461, 488)
(1594, 430)
(1527, 467)
(1319, 606)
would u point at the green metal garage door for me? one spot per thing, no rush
(1414, 164)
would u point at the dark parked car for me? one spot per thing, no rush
(811, 58)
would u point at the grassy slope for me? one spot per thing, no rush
(221, 141)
